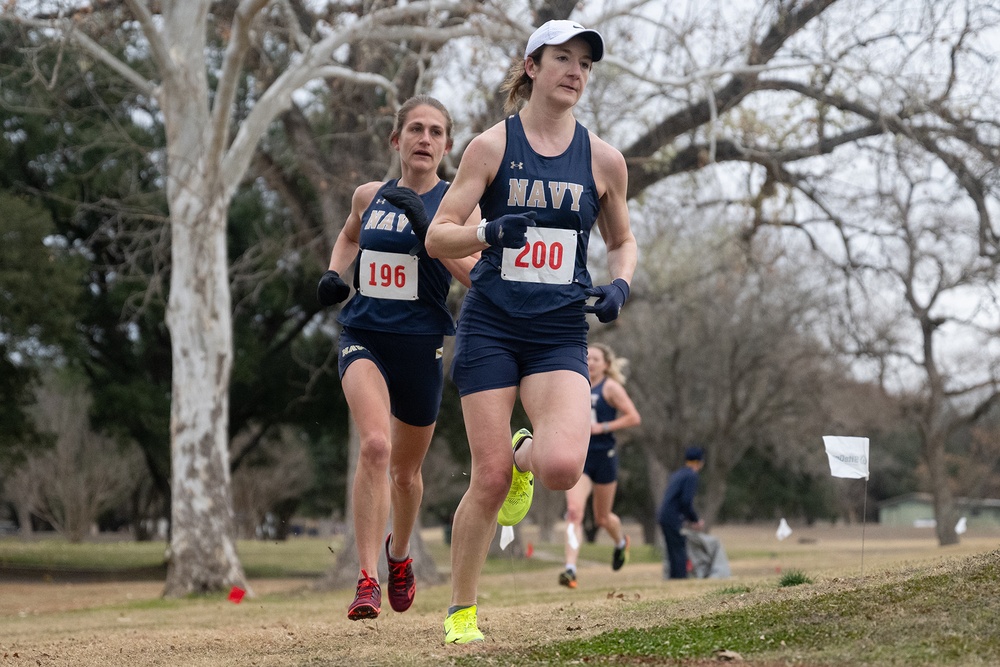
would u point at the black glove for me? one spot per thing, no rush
(610, 299)
(508, 230)
(413, 206)
(331, 289)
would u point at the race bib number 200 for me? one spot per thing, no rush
(548, 257)
(388, 275)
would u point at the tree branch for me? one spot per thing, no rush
(786, 25)
(68, 31)
(232, 66)
(315, 64)
(157, 47)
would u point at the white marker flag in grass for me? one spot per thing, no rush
(848, 456)
(784, 530)
(506, 536)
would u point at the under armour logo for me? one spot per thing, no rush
(516, 165)
(379, 201)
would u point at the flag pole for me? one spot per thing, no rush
(864, 522)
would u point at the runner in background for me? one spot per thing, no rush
(611, 409)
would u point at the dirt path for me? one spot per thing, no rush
(127, 624)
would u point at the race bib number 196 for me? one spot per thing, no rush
(548, 256)
(388, 275)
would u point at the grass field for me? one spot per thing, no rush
(916, 604)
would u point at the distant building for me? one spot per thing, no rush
(917, 509)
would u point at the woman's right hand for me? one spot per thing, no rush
(508, 231)
(331, 289)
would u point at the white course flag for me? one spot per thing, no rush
(506, 536)
(784, 530)
(848, 456)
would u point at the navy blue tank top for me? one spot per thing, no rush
(601, 411)
(385, 228)
(562, 192)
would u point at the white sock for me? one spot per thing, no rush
(571, 568)
(621, 545)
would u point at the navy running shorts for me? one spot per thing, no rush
(411, 364)
(601, 466)
(494, 350)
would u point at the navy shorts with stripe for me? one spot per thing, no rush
(410, 363)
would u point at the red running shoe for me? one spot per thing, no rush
(367, 601)
(402, 586)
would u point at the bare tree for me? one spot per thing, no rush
(278, 472)
(20, 488)
(728, 359)
(84, 473)
(775, 85)
(923, 305)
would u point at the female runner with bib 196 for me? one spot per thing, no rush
(542, 181)
(389, 352)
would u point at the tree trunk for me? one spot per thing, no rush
(944, 503)
(715, 493)
(658, 475)
(24, 527)
(202, 555)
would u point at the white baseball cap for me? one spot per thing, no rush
(560, 32)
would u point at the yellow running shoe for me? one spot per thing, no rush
(461, 628)
(522, 489)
